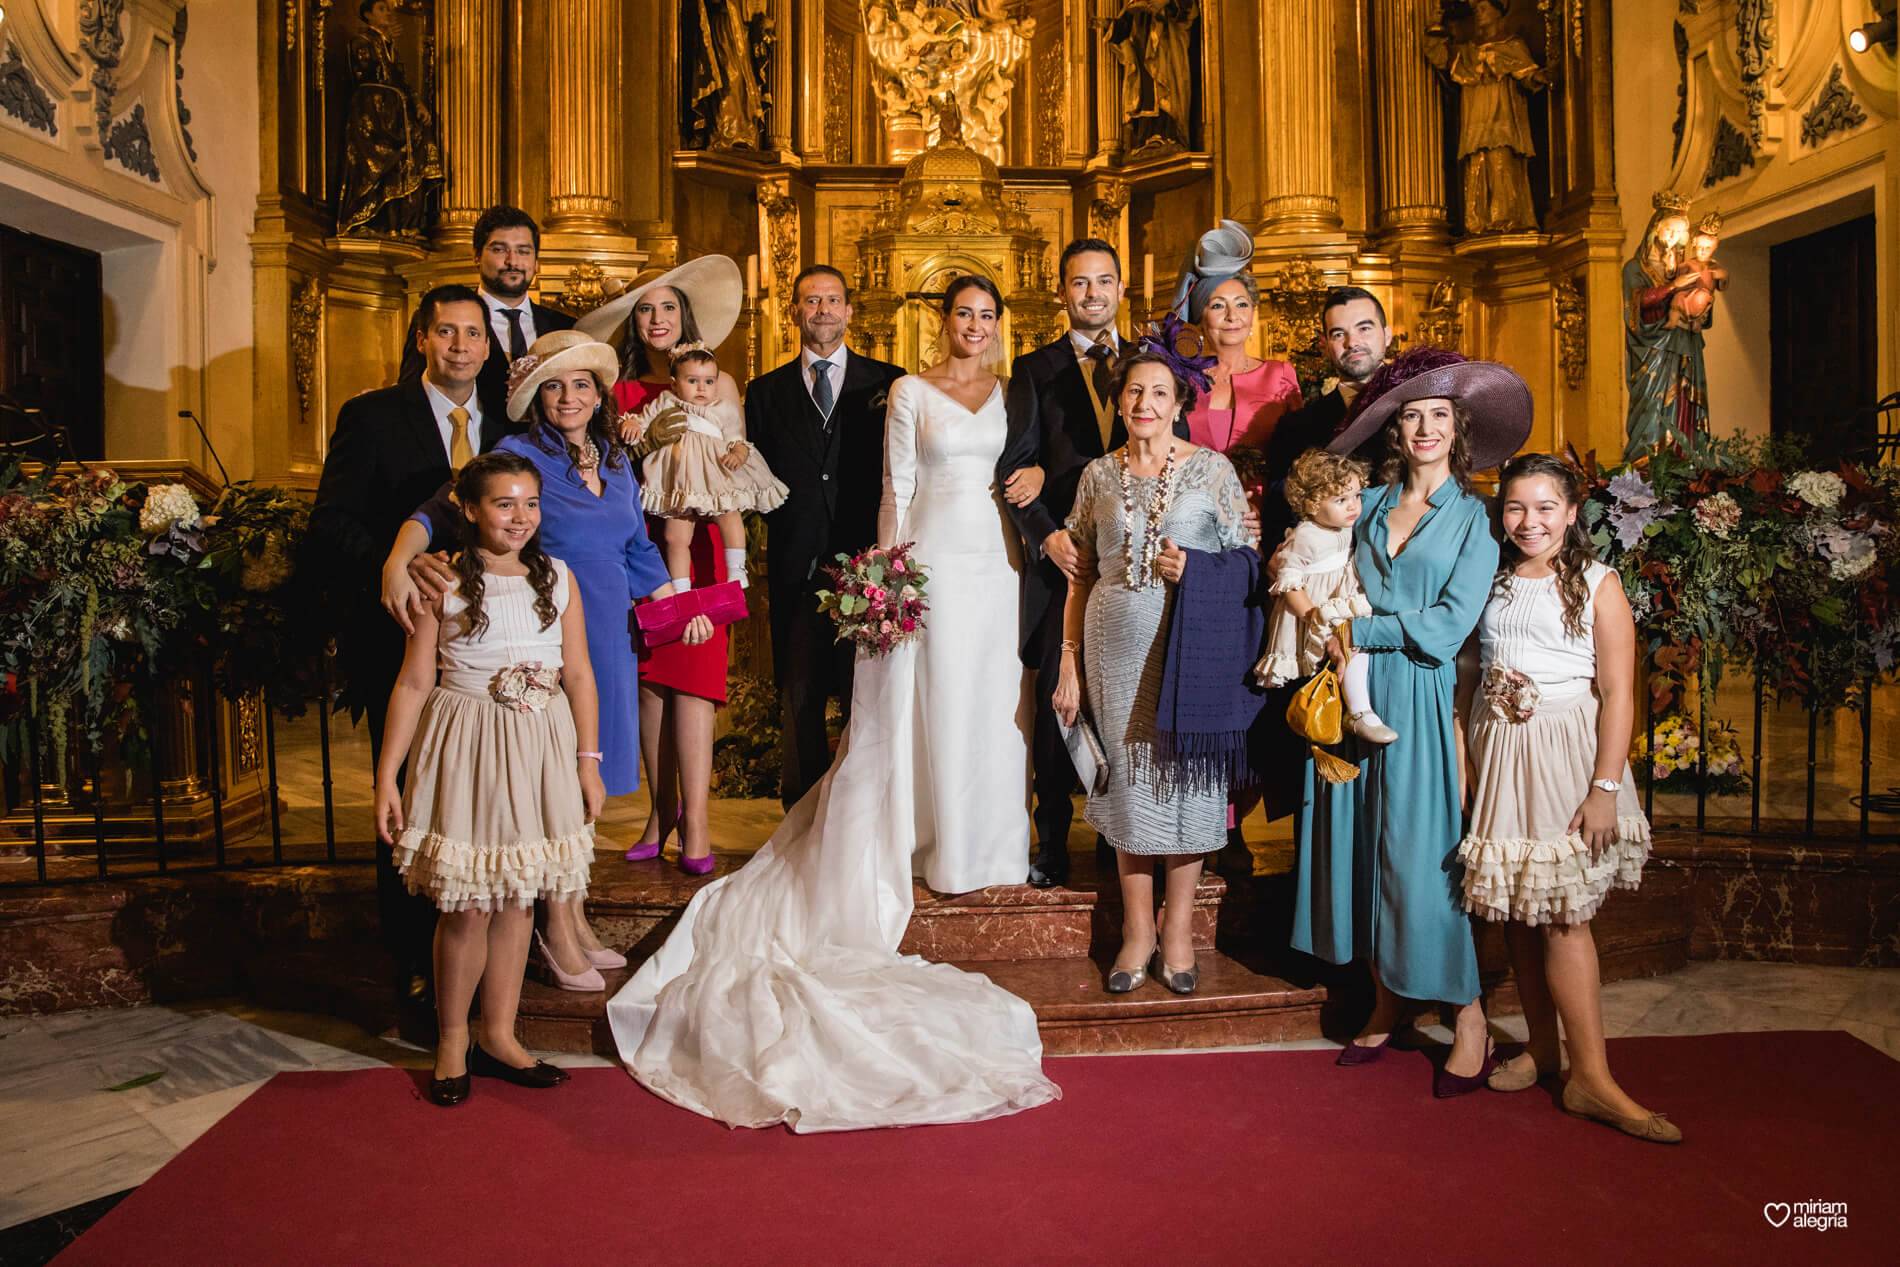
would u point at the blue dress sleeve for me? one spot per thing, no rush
(646, 568)
(1435, 633)
(439, 519)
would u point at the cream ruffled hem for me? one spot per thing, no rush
(1277, 669)
(459, 876)
(699, 504)
(1551, 881)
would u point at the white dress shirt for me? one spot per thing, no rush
(498, 321)
(441, 405)
(807, 358)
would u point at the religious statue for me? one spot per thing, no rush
(724, 88)
(964, 50)
(1705, 275)
(391, 162)
(1663, 328)
(1495, 74)
(1151, 39)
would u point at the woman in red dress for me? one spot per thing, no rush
(681, 687)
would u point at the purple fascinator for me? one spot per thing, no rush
(1179, 344)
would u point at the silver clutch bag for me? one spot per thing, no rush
(1086, 753)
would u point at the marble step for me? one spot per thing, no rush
(1233, 1007)
(632, 905)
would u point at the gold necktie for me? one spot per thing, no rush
(459, 451)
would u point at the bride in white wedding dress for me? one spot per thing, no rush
(780, 996)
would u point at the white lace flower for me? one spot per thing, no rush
(526, 687)
(1822, 490)
(168, 506)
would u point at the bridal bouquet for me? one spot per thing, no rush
(878, 599)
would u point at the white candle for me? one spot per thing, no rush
(1148, 279)
(751, 280)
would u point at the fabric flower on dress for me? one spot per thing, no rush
(526, 687)
(1822, 490)
(1718, 515)
(1511, 694)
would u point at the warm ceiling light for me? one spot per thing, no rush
(1878, 32)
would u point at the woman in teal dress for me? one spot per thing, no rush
(1378, 871)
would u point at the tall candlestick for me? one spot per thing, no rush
(751, 280)
(1148, 280)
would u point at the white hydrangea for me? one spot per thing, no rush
(168, 506)
(1822, 490)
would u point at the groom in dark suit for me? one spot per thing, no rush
(818, 422)
(391, 451)
(1062, 416)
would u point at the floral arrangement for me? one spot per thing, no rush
(879, 599)
(1743, 553)
(109, 584)
(1512, 695)
(1679, 750)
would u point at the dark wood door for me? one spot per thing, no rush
(1822, 329)
(52, 340)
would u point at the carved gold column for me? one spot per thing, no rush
(1410, 132)
(469, 35)
(1297, 84)
(584, 132)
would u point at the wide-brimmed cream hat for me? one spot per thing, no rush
(713, 289)
(561, 352)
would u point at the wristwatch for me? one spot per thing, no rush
(1608, 785)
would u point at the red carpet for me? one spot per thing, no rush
(1231, 1158)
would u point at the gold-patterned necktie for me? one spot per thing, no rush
(459, 451)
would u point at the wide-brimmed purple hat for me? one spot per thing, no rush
(1495, 396)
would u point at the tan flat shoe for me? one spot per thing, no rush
(1656, 1128)
(1511, 1078)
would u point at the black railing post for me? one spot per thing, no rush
(215, 757)
(99, 807)
(1814, 722)
(1702, 694)
(1649, 744)
(1754, 795)
(1866, 750)
(323, 743)
(158, 798)
(34, 737)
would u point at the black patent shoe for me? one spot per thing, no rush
(448, 1092)
(539, 1075)
(1049, 873)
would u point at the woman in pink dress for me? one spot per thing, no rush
(1217, 292)
(681, 687)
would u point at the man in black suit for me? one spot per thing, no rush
(507, 255)
(818, 422)
(1062, 416)
(391, 451)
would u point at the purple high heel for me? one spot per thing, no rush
(1446, 1085)
(1363, 1053)
(696, 866)
(641, 851)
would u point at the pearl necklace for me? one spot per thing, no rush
(1141, 571)
(589, 459)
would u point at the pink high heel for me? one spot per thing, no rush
(641, 851)
(549, 972)
(605, 958)
(696, 866)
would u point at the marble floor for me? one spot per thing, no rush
(92, 1103)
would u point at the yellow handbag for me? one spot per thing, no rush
(1316, 714)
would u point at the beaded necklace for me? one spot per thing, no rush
(1141, 572)
(589, 459)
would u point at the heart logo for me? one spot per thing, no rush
(1776, 1212)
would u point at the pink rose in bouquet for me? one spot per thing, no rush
(877, 598)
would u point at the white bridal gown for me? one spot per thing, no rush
(781, 997)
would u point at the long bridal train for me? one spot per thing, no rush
(780, 996)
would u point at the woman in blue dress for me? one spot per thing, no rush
(1379, 878)
(592, 521)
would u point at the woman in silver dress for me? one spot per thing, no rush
(1137, 512)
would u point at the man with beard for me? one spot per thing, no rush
(508, 252)
(1062, 416)
(818, 421)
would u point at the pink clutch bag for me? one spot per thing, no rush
(664, 620)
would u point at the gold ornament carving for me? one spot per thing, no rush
(1834, 110)
(586, 288)
(1439, 324)
(1051, 136)
(965, 51)
(306, 337)
(838, 57)
(1292, 307)
(248, 750)
(1106, 209)
(1573, 343)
